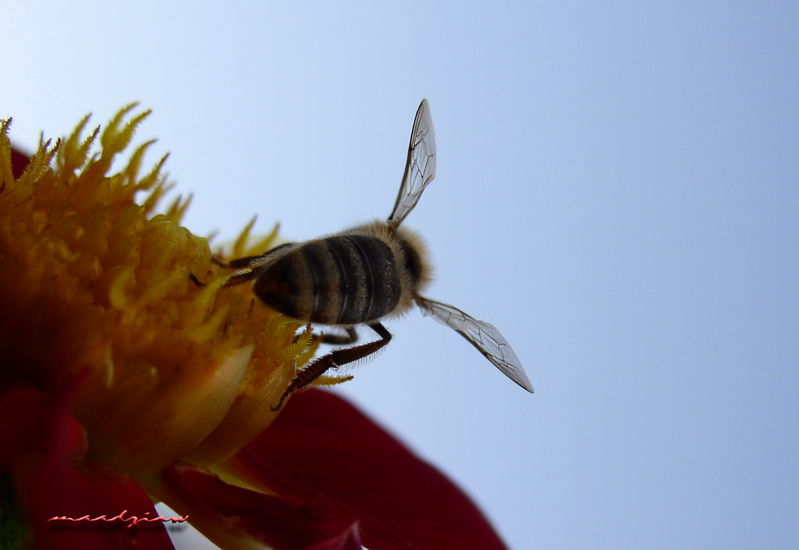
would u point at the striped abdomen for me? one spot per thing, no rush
(345, 279)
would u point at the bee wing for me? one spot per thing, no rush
(420, 167)
(484, 336)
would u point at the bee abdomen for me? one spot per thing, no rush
(345, 279)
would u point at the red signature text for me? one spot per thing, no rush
(121, 519)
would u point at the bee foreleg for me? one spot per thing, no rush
(240, 263)
(334, 359)
(247, 261)
(240, 278)
(252, 262)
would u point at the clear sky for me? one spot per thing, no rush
(617, 191)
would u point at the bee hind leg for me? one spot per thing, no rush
(339, 339)
(331, 338)
(335, 359)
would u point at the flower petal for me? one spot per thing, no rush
(324, 453)
(348, 540)
(233, 517)
(50, 482)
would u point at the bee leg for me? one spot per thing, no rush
(233, 280)
(335, 359)
(247, 261)
(239, 278)
(334, 339)
(239, 263)
(244, 263)
(339, 339)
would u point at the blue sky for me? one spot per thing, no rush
(617, 191)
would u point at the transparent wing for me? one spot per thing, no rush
(484, 336)
(420, 168)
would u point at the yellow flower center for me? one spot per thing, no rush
(92, 281)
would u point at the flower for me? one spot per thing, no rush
(124, 378)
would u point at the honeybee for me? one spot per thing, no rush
(366, 274)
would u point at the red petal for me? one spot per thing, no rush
(348, 540)
(50, 482)
(22, 413)
(19, 161)
(324, 453)
(231, 516)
